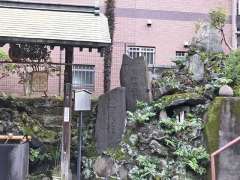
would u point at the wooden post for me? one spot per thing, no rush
(234, 24)
(66, 135)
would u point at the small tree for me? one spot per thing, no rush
(218, 19)
(28, 58)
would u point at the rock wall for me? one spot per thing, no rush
(40, 118)
(223, 125)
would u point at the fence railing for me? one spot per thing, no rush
(213, 155)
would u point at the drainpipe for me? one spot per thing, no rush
(234, 24)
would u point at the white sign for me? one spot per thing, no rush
(66, 114)
(82, 101)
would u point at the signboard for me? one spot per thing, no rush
(66, 114)
(39, 81)
(82, 101)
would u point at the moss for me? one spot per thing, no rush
(116, 153)
(212, 125)
(91, 150)
(128, 134)
(35, 128)
(235, 108)
(3, 55)
(167, 100)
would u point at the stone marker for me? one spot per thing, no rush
(134, 76)
(111, 119)
(196, 67)
(104, 166)
(163, 115)
(225, 91)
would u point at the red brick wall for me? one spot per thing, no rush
(173, 23)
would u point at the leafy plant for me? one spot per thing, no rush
(34, 155)
(168, 79)
(147, 168)
(232, 67)
(3, 56)
(221, 81)
(142, 114)
(193, 157)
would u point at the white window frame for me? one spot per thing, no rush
(83, 70)
(138, 51)
(181, 55)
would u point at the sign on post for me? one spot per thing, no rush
(82, 100)
(82, 103)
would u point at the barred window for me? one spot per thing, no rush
(147, 52)
(181, 55)
(83, 77)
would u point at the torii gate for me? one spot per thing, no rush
(66, 26)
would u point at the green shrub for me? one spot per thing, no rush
(232, 67)
(143, 114)
(3, 55)
(147, 168)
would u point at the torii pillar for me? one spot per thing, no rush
(66, 136)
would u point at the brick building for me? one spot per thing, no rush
(156, 29)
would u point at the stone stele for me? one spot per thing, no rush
(134, 77)
(111, 119)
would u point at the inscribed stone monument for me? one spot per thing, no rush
(111, 119)
(134, 77)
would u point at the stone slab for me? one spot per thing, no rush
(111, 119)
(134, 77)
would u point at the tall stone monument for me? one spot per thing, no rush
(134, 77)
(111, 119)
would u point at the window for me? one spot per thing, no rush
(147, 52)
(181, 55)
(83, 77)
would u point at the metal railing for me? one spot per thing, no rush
(213, 165)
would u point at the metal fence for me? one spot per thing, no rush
(87, 72)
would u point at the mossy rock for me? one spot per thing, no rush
(179, 99)
(116, 153)
(212, 126)
(34, 128)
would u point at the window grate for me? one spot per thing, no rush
(181, 55)
(84, 77)
(147, 52)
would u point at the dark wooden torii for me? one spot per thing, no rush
(68, 45)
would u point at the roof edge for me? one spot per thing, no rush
(49, 7)
(54, 42)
